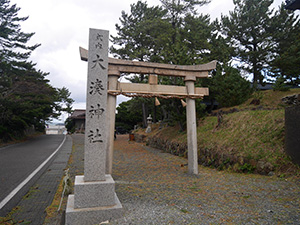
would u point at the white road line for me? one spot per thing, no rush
(21, 185)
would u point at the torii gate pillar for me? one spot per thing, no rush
(113, 76)
(191, 127)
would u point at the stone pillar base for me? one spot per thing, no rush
(93, 202)
(89, 216)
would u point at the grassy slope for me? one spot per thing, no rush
(253, 135)
(247, 135)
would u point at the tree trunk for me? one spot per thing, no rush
(154, 113)
(165, 114)
(145, 114)
(175, 105)
(255, 72)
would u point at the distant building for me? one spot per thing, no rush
(78, 117)
(56, 129)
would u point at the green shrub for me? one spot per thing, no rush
(230, 88)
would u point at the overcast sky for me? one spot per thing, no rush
(62, 26)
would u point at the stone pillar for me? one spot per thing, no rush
(94, 199)
(191, 127)
(111, 117)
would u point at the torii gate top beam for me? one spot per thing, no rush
(126, 66)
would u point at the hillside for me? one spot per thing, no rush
(250, 137)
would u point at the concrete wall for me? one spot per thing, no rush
(292, 132)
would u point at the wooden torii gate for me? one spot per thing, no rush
(190, 74)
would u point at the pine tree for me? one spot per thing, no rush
(248, 27)
(26, 97)
(286, 36)
(14, 51)
(137, 33)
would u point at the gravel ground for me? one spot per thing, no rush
(154, 188)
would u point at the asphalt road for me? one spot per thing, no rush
(18, 161)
